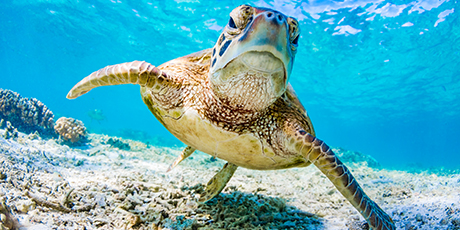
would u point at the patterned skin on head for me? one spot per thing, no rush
(252, 59)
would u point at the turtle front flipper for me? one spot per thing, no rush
(136, 72)
(318, 153)
(185, 153)
(218, 182)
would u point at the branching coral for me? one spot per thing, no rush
(71, 129)
(27, 114)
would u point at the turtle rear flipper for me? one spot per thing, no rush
(319, 153)
(136, 72)
(185, 153)
(218, 182)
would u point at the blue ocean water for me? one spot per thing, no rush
(379, 77)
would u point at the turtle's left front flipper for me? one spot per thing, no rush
(318, 153)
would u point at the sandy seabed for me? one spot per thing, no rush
(103, 185)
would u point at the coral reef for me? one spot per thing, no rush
(47, 185)
(10, 131)
(7, 220)
(27, 114)
(117, 143)
(348, 156)
(71, 130)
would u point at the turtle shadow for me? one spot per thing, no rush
(241, 210)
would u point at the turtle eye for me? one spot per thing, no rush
(231, 23)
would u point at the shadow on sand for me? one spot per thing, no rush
(233, 209)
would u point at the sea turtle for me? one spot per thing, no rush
(234, 102)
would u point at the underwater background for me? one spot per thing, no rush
(379, 77)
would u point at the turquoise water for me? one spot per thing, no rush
(379, 77)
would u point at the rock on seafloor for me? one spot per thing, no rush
(115, 183)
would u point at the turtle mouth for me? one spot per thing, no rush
(251, 81)
(262, 61)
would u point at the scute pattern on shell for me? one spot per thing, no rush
(27, 114)
(71, 129)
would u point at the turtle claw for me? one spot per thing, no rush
(218, 182)
(185, 153)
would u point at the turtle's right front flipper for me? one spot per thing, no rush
(136, 72)
(319, 153)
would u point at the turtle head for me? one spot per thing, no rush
(253, 57)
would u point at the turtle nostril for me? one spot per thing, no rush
(269, 14)
(280, 18)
